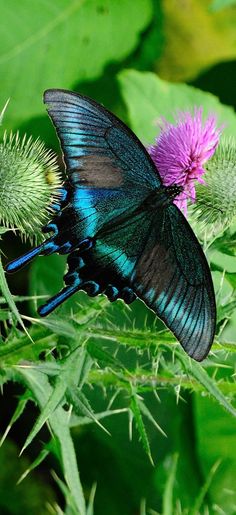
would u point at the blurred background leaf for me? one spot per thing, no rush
(149, 98)
(55, 45)
(216, 5)
(195, 38)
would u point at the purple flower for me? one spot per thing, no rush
(181, 149)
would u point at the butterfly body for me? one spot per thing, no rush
(117, 222)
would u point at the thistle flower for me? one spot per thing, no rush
(29, 180)
(182, 149)
(216, 205)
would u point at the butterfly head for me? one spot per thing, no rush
(174, 190)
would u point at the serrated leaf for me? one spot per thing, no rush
(58, 326)
(67, 42)
(81, 421)
(8, 296)
(194, 369)
(67, 375)
(98, 353)
(83, 367)
(81, 405)
(17, 413)
(144, 409)
(53, 402)
(40, 458)
(148, 98)
(42, 391)
(134, 406)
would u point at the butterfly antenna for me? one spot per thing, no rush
(47, 247)
(57, 299)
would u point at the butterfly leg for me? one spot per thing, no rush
(57, 299)
(73, 280)
(47, 247)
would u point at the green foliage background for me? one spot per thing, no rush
(169, 444)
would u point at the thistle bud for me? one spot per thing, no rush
(216, 200)
(29, 181)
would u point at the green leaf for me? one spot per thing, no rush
(98, 353)
(200, 498)
(17, 413)
(193, 39)
(144, 409)
(226, 311)
(217, 5)
(194, 369)
(67, 375)
(148, 98)
(66, 42)
(169, 488)
(3, 230)
(230, 276)
(1, 120)
(134, 406)
(81, 405)
(71, 508)
(57, 325)
(7, 295)
(215, 440)
(33, 495)
(226, 244)
(90, 509)
(82, 421)
(52, 403)
(59, 422)
(40, 458)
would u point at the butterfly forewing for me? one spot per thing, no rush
(99, 150)
(108, 169)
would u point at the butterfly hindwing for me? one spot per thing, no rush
(173, 278)
(157, 255)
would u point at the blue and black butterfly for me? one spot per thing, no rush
(117, 222)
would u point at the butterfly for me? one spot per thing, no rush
(118, 224)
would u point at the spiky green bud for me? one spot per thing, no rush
(215, 207)
(29, 180)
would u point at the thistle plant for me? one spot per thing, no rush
(191, 154)
(182, 149)
(29, 180)
(216, 200)
(93, 339)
